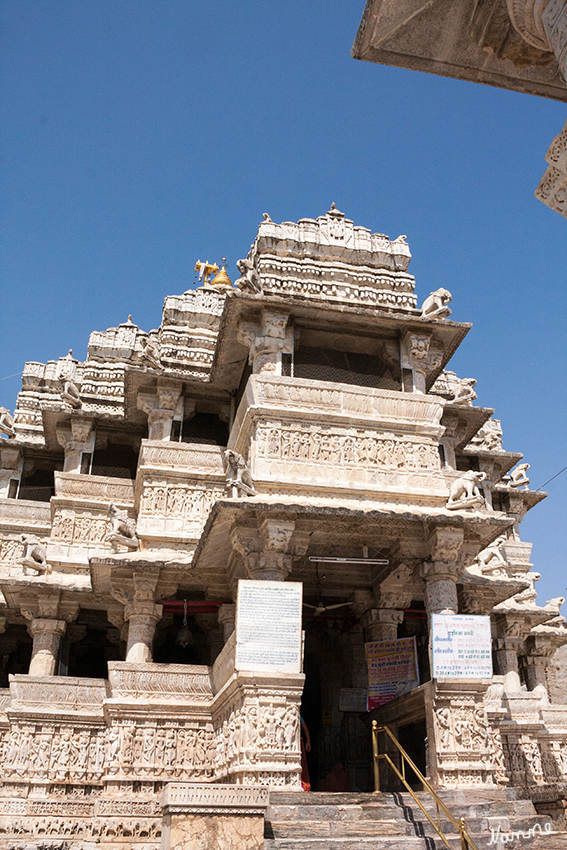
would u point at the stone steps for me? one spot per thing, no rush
(393, 821)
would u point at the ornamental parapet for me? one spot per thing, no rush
(292, 431)
(176, 486)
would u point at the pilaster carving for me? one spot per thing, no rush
(441, 572)
(76, 440)
(160, 407)
(267, 339)
(269, 551)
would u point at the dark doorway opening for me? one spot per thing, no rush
(412, 737)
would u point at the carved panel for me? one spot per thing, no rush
(161, 682)
(295, 442)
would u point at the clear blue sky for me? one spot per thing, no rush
(140, 135)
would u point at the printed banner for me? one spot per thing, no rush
(461, 646)
(392, 669)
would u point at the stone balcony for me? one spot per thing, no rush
(19, 516)
(80, 516)
(176, 485)
(299, 434)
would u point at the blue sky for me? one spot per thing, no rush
(138, 136)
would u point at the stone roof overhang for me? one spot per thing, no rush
(479, 594)
(504, 460)
(378, 526)
(530, 498)
(137, 379)
(56, 417)
(435, 36)
(471, 419)
(230, 355)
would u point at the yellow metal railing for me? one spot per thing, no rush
(466, 842)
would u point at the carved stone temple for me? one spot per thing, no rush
(302, 425)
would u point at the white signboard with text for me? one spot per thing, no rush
(461, 646)
(268, 626)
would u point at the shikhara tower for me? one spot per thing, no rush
(301, 425)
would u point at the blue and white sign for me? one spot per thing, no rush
(461, 646)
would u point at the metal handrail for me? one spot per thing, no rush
(466, 841)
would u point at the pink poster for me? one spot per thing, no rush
(392, 669)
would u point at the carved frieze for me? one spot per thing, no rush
(299, 442)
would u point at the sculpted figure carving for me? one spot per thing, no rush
(70, 393)
(6, 422)
(518, 476)
(491, 559)
(238, 478)
(123, 529)
(464, 491)
(151, 351)
(249, 278)
(435, 306)
(463, 392)
(34, 555)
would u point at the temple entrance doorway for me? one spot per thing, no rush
(412, 738)
(341, 744)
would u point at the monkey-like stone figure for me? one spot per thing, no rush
(34, 555)
(123, 530)
(238, 479)
(6, 422)
(464, 492)
(249, 278)
(435, 306)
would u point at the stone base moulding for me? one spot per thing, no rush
(213, 817)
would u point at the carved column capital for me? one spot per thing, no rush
(268, 551)
(160, 407)
(381, 623)
(441, 572)
(266, 339)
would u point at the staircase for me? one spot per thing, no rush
(393, 821)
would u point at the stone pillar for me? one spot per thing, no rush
(47, 636)
(160, 408)
(507, 649)
(539, 649)
(142, 617)
(415, 356)
(227, 619)
(268, 552)
(48, 615)
(381, 623)
(137, 587)
(77, 440)
(441, 572)
(267, 340)
(11, 460)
